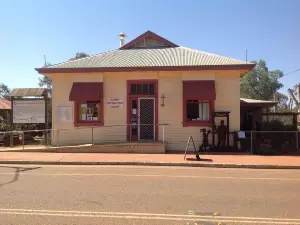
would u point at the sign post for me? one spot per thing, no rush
(29, 111)
(190, 139)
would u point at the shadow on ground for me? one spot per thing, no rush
(17, 171)
(201, 159)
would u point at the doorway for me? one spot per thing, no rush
(142, 111)
(146, 119)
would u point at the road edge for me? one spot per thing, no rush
(179, 164)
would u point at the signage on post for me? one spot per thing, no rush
(29, 111)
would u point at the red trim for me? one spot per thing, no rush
(78, 123)
(88, 124)
(145, 35)
(198, 124)
(136, 69)
(132, 97)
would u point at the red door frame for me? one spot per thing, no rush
(135, 97)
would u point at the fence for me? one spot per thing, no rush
(270, 142)
(254, 141)
(84, 135)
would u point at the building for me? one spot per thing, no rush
(5, 110)
(149, 81)
(250, 107)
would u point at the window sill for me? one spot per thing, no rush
(197, 123)
(88, 124)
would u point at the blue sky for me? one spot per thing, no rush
(30, 29)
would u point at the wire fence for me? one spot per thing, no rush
(30, 139)
(256, 142)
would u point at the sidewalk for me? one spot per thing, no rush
(220, 161)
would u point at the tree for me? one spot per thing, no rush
(80, 55)
(285, 103)
(4, 91)
(260, 83)
(293, 92)
(46, 81)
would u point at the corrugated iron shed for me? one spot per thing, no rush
(253, 101)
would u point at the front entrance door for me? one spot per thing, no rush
(146, 122)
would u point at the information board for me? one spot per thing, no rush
(28, 111)
(64, 114)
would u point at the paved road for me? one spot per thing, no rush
(84, 195)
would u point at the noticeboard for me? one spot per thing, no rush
(28, 111)
(64, 114)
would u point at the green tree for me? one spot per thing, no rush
(293, 92)
(260, 83)
(4, 91)
(285, 103)
(79, 55)
(46, 82)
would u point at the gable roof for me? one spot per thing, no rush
(145, 35)
(170, 57)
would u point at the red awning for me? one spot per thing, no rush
(203, 90)
(86, 91)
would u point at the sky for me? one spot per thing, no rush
(30, 29)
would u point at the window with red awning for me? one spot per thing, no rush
(87, 97)
(198, 102)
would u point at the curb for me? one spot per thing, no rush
(112, 163)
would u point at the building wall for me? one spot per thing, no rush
(169, 83)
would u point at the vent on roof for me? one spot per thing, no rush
(122, 37)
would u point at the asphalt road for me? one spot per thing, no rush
(84, 195)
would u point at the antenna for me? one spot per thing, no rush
(246, 55)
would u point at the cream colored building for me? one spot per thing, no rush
(148, 89)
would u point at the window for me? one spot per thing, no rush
(142, 89)
(89, 111)
(88, 103)
(198, 102)
(198, 110)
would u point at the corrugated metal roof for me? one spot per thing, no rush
(30, 92)
(256, 101)
(5, 104)
(151, 57)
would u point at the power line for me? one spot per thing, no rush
(291, 72)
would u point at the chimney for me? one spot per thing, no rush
(122, 37)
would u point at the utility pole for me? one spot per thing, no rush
(298, 92)
(246, 55)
